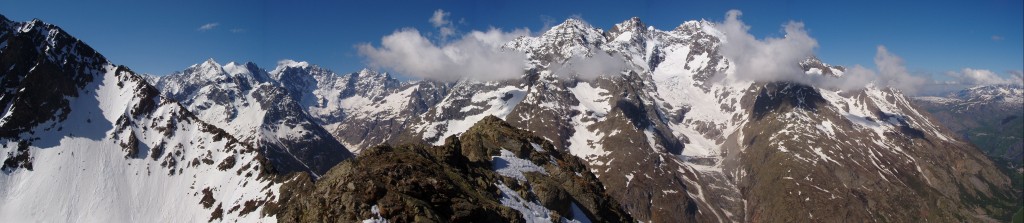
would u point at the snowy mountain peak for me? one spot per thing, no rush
(700, 26)
(992, 93)
(630, 27)
(243, 99)
(572, 23)
(286, 63)
(632, 24)
(692, 25)
(209, 70)
(574, 28)
(101, 128)
(367, 71)
(684, 149)
(996, 89)
(241, 70)
(34, 23)
(814, 66)
(570, 38)
(252, 66)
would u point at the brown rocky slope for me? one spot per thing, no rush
(492, 173)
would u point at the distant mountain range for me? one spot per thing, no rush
(991, 117)
(671, 139)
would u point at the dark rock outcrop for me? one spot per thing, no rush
(454, 182)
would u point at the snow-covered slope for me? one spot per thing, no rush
(966, 100)
(84, 140)
(301, 102)
(361, 109)
(677, 129)
(674, 136)
(492, 173)
(244, 100)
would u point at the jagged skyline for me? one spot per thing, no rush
(975, 35)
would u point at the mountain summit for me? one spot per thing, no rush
(99, 142)
(675, 135)
(677, 130)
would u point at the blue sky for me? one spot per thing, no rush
(160, 37)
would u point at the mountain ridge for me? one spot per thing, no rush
(679, 97)
(244, 102)
(132, 145)
(674, 136)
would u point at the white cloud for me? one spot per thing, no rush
(997, 37)
(588, 68)
(777, 59)
(442, 23)
(208, 26)
(237, 30)
(440, 18)
(548, 22)
(971, 76)
(1017, 74)
(446, 32)
(768, 59)
(476, 55)
(891, 72)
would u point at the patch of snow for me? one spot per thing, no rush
(592, 99)
(507, 164)
(536, 147)
(827, 127)
(496, 107)
(822, 155)
(629, 178)
(375, 219)
(532, 211)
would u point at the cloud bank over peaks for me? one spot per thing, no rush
(583, 67)
(891, 72)
(778, 59)
(476, 55)
(969, 76)
(769, 59)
